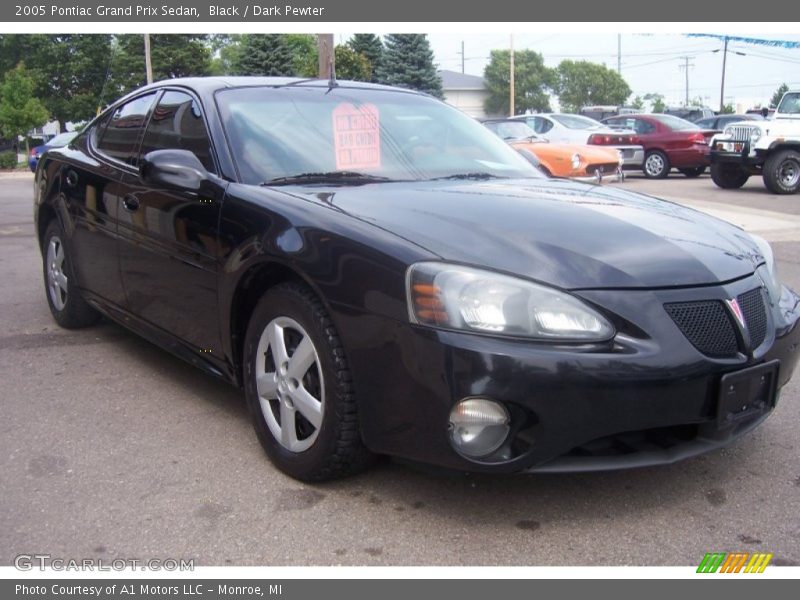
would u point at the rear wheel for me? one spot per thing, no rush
(693, 172)
(67, 306)
(656, 165)
(728, 176)
(299, 388)
(782, 172)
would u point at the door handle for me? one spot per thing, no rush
(130, 202)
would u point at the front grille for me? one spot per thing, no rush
(755, 315)
(605, 169)
(711, 328)
(707, 325)
(741, 133)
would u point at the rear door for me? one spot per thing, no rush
(90, 183)
(169, 247)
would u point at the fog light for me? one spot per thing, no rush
(478, 426)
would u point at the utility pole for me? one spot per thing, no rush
(685, 66)
(462, 57)
(148, 63)
(722, 85)
(619, 53)
(511, 80)
(326, 56)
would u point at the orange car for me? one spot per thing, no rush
(575, 161)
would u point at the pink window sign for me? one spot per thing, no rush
(356, 137)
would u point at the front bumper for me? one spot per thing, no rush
(733, 152)
(565, 400)
(617, 176)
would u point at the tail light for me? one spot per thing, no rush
(605, 139)
(34, 152)
(697, 138)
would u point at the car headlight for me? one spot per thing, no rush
(755, 135)
(727, 132)
(576, 161)
(464, 298)
(768, 272)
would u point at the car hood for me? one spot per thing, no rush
(568, 234)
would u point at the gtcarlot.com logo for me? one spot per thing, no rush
(28, 562)
(734, 562)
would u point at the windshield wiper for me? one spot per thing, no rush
(475, 175)
(327, 177)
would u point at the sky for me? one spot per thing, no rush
(650, 63)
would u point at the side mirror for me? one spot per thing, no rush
(173, 169)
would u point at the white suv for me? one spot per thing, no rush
(770, 148)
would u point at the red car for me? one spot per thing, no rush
(669, 142)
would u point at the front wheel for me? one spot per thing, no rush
(67, 306)
(782, 172)
(728, 176)
(693, 172)
(656, 165)
(299, 388)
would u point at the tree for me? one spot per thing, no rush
(173, 55)
(776, 97)
(657, 104)
(370, 47)
(264, 54)
(69, 71)
(727, 109)
(305, 55)
(581, 83)
(20, 111)
(408, 62)
(532, 80)
(349, 64)
(638, 103)
(225, 52)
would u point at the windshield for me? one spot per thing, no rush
(576, 122)
(675, 123)
(511, 130)
(290, 131)
(790, 105)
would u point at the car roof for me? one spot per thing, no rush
(209, 85)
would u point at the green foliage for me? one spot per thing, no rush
(370, 47)
(303, 49)
(69, 71)
(657, 104)
(581, 83)
(776, 97)
(637, 103)
(728, 109)
(532, 80)
(173, 55)
(20, 111)
(225, 52)
(408, 62)
(8, 160)
(264, 54)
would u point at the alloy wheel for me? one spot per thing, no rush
(289, 381)
(56, 276)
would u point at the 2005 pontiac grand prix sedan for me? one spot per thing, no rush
(383, 275)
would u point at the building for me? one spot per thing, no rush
(465, 92)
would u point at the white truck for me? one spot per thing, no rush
(768, 148)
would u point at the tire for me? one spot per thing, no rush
(693, 172)
(67, 306)
(656, 165)
(315, 392)
(782, 172)
(728, 176)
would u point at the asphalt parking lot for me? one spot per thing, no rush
(112, 448)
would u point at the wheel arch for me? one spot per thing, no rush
(250, 286)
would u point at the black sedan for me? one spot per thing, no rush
(383, 275)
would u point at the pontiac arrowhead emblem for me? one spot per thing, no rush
(733, 304)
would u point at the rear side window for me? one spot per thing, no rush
(121, 134)
(177, 124)
(541, 125)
